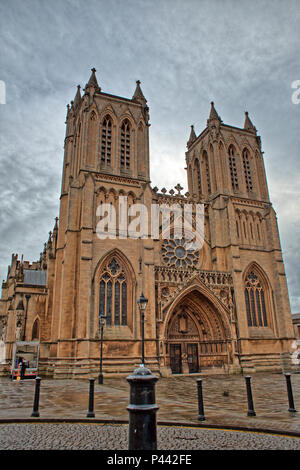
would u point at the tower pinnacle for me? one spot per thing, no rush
(192, 137)
(138, 94)
(93, 83)
(213, 113)
(248, 124)
(77, 99)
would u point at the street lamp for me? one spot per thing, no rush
(142, 303)
(27, 296)
(102, 319)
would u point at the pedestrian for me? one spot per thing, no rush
(23, 368)
(18, 367)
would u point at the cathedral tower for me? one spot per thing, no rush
(106, 157)
(226, 171)
(222, 307)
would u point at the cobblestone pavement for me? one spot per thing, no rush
(225, 400)
(225, 404)
(42, 436)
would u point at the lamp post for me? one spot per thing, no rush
(102, 323)
(142, 303)
(27, 296)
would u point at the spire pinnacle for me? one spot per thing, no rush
(248, 124)
(213, 113)
(93, 81)
(77, 98)
(138, 94)
(192, 137)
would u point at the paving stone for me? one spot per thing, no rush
(65, 436)
(177, 400)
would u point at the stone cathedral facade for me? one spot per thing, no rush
(222, 308)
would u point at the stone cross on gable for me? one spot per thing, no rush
(178, 188)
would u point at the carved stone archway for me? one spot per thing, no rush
(197, 335)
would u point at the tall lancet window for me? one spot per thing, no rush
(247, 171)
(36, 330)
(113, 294)
(232, 167)
(255, 300)
(206, 171)
(92, 137)
(106, 141)
(125, 144)
(198, 177)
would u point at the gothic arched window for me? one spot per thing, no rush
(198, 177)
(206, 171)
(237, 229)
(92, 137)
(255, 300)
(125, 144)
(247, 171)
(106, 141)
(113, 294)
(141, 148)
(35, 330)
(232, 167)
(77, 150)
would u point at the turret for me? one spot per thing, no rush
(138, 97)
(248, 126)
(192, 137)
(92, 86)
(214, 118)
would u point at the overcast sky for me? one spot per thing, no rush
(241, 54)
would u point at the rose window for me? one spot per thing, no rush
(177, 253)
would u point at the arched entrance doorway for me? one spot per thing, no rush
(197, 336)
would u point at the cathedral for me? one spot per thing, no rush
(221, 308)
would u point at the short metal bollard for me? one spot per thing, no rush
(251, 411)
(35, 412)
(290, 393)
(201, 416)
(142, 410)
(90, 413)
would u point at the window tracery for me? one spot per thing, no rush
(206, 171)
(247, 171)
(198, 176)
(177, 253)
(233, 169)
(113, 294)
(106, 141)
(125, 144)
(255, 301)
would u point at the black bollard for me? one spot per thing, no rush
(142, 410)
(201, 416)
(35, 412)
(90, 413)
(290, 393)
(251, 411)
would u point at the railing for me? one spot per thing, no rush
(171, 274)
